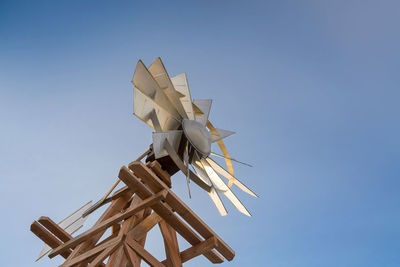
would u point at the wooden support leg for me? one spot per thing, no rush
(114, 208)
(171, 245)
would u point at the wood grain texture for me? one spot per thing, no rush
(166, 213)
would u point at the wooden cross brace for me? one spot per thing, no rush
(135, 209)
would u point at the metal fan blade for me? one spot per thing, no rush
(221, 156)
(143, 108)
(145, 82)
(70, 224)
(162, 78)
(213, 194)
(179, 163)
(221, 134)
(219, 183)
(173, 137)
(181, 85)
(186, 161)
(218, 168)
(223, 148)
(205, 106)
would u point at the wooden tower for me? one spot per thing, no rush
(145, 201)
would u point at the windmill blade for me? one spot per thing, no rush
(160, 74)
(218, 168)
(221, 156)
(221, 134)
(205, 106)
(213, 194)
(145, 82)
(70, 224)
(219, 183)
(181, 85)
(143, 109)
(223, 148)
(186, 161)
(173, 137)
(179, 163)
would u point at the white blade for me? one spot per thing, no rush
(181, 85)
(161, 76)
(145, 82)
(220, 184)
(174, 138)
(229, 176)
(221, 135)
(204, 105)
(213, 194)
(70, 224)
(144, 106)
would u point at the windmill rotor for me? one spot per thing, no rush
(183, 133)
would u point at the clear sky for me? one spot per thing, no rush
(310, 87)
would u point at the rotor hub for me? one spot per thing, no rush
(198, 136)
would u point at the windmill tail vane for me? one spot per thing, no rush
(183, 133)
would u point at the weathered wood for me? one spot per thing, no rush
(93, 252)
(144, 254)
(170, 245)
(103, 255)
(182, 209)
(121, 192)
(115, 207)
(133, 258)
(54, 228)
(140, 230)
(48, 237)
(118, 258)
(109, 222)
(166, 213)
(198, 249)
(162, 174)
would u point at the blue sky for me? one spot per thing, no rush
(310, 87)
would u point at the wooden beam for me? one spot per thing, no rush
(109, 222)
(156, 168)
(198, 249)
(48, 238)
(120, 192)
(170, 245)
(54, 228)
(182, 209)
(119, 258)
(141, 229)
(133, 258)
(115, 207)
(93, 252)
(146, 256)
(103, 255)
(166, 213)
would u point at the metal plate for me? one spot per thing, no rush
(221, 134)
(205, 106)
(181, 85)
(161, 76)
(198, 136)
(144, 106)
(173, 137)
(145, 82)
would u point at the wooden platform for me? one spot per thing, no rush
(145, 201)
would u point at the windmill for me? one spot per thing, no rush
(182, 140)
(183, 132)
